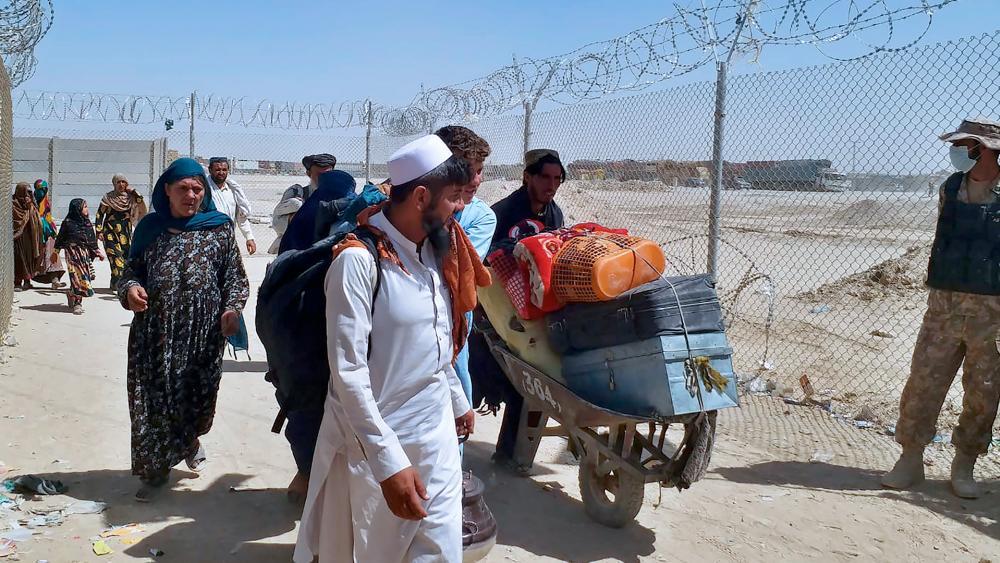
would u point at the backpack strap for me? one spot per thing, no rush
(279, 420)
(378, 279)
(370, 241)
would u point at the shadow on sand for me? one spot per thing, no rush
(49, 308)
(214, 524)
(550, 523)
(217, 524)
(982, 514)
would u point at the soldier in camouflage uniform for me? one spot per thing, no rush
(961, 327)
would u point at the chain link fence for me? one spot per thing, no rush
(848, 265)
(831, 175)
(6, 178)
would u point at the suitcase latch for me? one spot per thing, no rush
(691, 376)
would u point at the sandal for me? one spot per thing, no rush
(196, 462)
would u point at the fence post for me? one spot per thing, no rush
(715, 203)
(7, 179)
(528, 108)
(152, 163)
(530, 104)
(191, 129)
(368, 142)
(52, 170)
(718, 137)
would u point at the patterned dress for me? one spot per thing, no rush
(80, 263)
(176, 346)
(114, 228)
(79, 241)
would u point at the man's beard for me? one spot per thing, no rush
(438, 236)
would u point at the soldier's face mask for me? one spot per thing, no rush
(964, 158)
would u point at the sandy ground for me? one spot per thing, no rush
(63, 415)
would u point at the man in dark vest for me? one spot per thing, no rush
(962, 322)
(531, 207)
(534, 200)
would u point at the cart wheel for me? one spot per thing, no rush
(610, 496)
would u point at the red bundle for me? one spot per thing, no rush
(536, 256)
(515, 283)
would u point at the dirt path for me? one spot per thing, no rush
(62, 397)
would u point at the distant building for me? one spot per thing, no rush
(781, 175)
(668, 171)
(253, 166)
(682, 173)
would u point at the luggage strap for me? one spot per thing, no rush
(691, 368)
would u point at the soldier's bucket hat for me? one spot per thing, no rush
(983, 130)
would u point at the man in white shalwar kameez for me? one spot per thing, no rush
(231, 199)
(386, 482)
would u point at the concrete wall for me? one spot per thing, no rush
(84, 167)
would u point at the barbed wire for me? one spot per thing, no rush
(672, 47)
(23, 23)
(683, 256)
(676, 46)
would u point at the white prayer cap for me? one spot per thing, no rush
(417, 158)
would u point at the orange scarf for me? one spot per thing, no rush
(462, 269)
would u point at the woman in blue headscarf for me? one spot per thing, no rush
(186, 284)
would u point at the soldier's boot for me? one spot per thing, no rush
(908, 471)
(963, 483)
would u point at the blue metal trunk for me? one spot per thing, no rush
(652, 378)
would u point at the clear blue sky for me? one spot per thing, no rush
(316, 51)
(324, 51)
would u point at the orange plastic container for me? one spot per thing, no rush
(602, 266)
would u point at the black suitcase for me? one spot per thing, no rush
(650, 310)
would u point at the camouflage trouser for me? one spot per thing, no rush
(957, 328)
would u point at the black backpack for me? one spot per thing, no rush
(291, 322)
